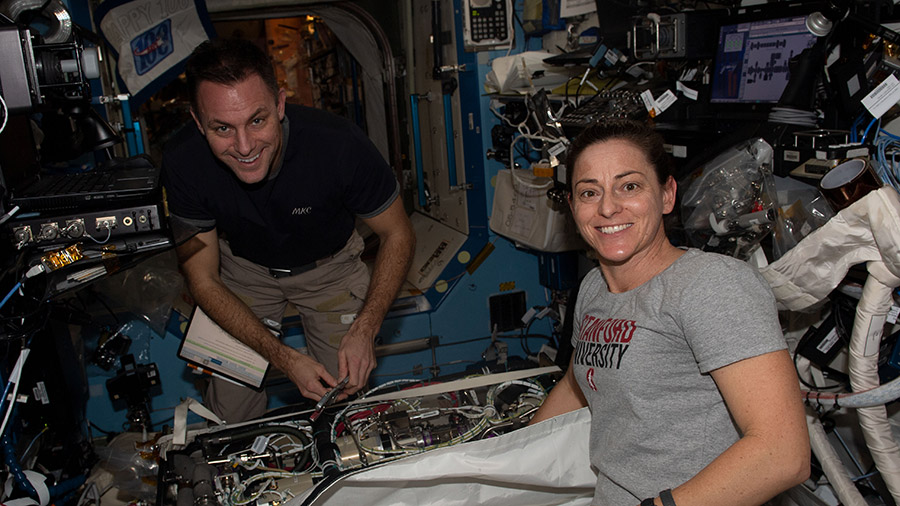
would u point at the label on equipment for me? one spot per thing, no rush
(883, 97)
(830, 340)
(40, 393)
(260, 444)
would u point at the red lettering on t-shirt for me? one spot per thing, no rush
(609, 330)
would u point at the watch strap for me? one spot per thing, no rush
(647, 502)
(666, 497)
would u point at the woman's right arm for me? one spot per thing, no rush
(566, 396)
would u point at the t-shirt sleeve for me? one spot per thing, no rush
(370, 186)
(590, 285)
(729, 314)
(187, 217)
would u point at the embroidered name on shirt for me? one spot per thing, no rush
(302, 211)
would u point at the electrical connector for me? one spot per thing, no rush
(105, 223)
(22, 235)
(61, 258)
(35, 270)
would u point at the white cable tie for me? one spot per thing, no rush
(584, 77)
(528, 315)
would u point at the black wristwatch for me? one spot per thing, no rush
(666, 497)
(648, 502)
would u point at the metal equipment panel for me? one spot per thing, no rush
(437, 123)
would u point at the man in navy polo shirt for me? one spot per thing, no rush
(263, 200)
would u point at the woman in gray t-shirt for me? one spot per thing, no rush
(678, 353)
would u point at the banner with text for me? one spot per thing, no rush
(151, 40)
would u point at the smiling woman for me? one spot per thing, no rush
(678, 353)
(618, 205)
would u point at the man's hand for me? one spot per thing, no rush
(356, 355)
(306, 373)
(356, 359)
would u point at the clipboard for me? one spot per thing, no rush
(209, 348)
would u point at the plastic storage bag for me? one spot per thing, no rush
(728, 206)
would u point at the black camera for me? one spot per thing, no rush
(33, 73)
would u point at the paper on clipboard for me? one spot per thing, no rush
(208, 346)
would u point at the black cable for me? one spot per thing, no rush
(524, 340)
(839, 303)
(105, 432)
(611, 80)
(808, 384)
(103, 303)
(580, 85)
(40, 302)
(521, 151)
(414, 371)
(161, 422)
(466, 341)
(70, 302)
(16, 266)
(329, 480)
(569, 80)
(522, 26)
(545, 336)
(26, 333)
(485, 338)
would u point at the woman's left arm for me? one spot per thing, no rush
(763, 397)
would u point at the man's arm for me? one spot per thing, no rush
(199, 258)
(356, 355)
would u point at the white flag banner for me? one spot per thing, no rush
(152, 39)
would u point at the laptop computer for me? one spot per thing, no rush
(114, 183)
(751, 67)
(580, 56)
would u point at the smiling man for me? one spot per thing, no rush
(263, 199)
(250, 150)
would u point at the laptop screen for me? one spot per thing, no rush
(751, 63)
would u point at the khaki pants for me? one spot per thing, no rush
(327, 297)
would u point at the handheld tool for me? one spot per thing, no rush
(328, 399)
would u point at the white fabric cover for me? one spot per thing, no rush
(865, 341)
(867, 230)
(544, 464)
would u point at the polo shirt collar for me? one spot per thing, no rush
(285, 130)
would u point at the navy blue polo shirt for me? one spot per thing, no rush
(331, 173)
